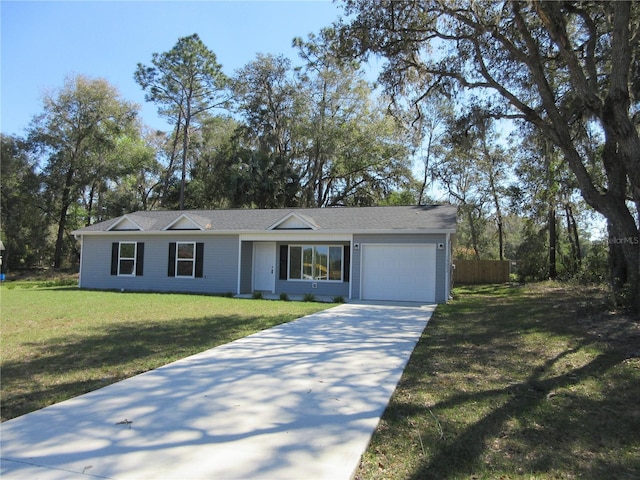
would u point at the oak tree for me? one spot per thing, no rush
(569, 68)
(82, 123)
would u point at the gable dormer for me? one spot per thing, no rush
(125, 224)
(183, 222)
(294, 221)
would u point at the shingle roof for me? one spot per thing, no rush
(347, 219)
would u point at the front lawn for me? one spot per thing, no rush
(513, 382)
(61, 342)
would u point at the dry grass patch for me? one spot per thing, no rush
(516, 382)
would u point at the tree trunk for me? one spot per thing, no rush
(624, 261)
(92, 194)
(553, 270)
(499, 222)
(574, 239)
(474, 234)
(62, 220)
(617, 263)
(500, 238)
(172, 158)
(425, 178)
(185, 153)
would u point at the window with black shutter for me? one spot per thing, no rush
(115, 248)
(139, 259)
(284, 254)
(127, 258)
(186, 259)
(346, 266)
(199, 260)
(172, 260)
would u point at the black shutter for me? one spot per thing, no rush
(139, 259)
(115, 247)
(347, 263)
(199, 259)
(284, 259)
(172, 259)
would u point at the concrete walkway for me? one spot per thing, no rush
(299, 400)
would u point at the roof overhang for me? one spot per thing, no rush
(271, 233)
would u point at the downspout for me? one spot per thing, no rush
(351, 268)
(448, 267)
(81, 256)
(239, 286)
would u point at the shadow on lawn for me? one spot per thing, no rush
(105, 357)
(565, 406)
(545, 437)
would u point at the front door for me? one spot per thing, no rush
(264, 266)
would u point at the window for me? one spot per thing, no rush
(335, 263)
(127, 258)
(186, 259)
(315, 262)
(295, 262)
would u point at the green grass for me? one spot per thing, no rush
(505, 383)
(61, 342)
(516, 382)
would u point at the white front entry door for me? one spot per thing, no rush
(264, 266)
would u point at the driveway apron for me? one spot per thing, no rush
(299, 400)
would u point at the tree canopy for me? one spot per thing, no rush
(317, 132)
(81, 126)
(568, 68)
(186, 83)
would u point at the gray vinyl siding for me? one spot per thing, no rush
(246, 267)
(220, 270)
(434, 239)
(324, 288)
(302, 287)
(220, 264)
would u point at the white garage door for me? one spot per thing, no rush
(399, 272)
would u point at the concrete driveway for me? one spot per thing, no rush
(299, 400)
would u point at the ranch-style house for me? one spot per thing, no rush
(395, 253)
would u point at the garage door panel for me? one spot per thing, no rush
(398, 272)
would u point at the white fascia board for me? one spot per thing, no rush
(424, 231)
(295, 236)
(272, 233)
(275, 234)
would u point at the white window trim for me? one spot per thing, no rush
(135, 257)
(314, 246)
(193, 260)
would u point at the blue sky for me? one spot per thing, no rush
(44, 42)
